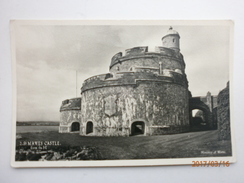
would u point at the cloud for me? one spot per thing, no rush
(49, 57)
(40, 91)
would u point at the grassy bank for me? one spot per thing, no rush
(194, 144)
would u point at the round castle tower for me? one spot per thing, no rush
(145, 93)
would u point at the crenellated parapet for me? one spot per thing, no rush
(116, 57)
(71, 104)
(134, 78)
(136, 50)
(138, 65)
(169, 52)
(162, 54)
(96, 78)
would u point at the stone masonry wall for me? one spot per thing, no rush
(167, 63)
(162, 106)
(67, 118)
(223, 114)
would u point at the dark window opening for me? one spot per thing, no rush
(138, 128)
(89, 127)
(75, 126)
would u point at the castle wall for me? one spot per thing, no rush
(67, 118)
(69, 114)
(163, 107)
(198, 103)
(171, 41)
(167, 63)
(223, 114)
(168, 59)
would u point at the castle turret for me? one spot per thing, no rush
(171, 40)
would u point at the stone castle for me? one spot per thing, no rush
(144, 93)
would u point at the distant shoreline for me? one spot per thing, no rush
(37, 123)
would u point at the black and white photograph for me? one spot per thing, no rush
(122, 93)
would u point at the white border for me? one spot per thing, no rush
(119, 163)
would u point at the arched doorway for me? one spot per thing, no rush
(75, 127)
(138, 128)
(89, 127)
(201, 117)
(198, 118)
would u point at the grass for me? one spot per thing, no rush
(142, 147)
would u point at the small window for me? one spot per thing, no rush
(173, 40)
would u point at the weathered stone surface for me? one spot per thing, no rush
(168, 52)
(197, 103)
(171, 60)
(158, 105)
(133, 78)
(171, 40)
(207, 104)
(67, 118)
(144, 93)
(223, 114)
(69, 113)
(116, 57)
(136, 50)
(71, 104)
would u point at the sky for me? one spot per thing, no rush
(52, 61)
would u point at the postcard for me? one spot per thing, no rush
(99, 93)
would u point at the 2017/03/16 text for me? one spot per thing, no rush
(210, 163)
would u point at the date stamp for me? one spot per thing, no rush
(210, 163)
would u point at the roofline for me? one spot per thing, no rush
(171, 35)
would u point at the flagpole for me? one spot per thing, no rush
(76, 83)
